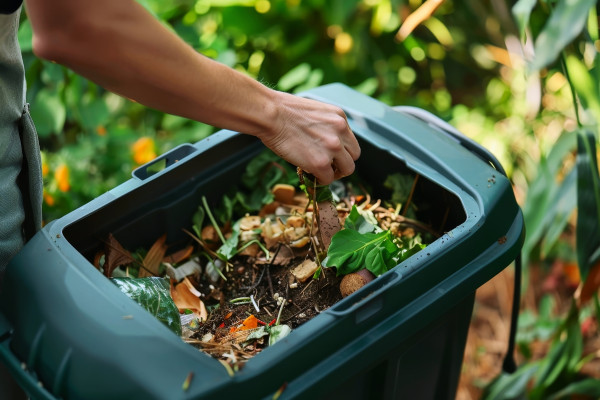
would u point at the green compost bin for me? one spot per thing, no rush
(66, 332)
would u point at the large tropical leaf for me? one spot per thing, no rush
(566, 22)
(588, 201)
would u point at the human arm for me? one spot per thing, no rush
(120, 46)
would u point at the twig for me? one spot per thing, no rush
(410, 195)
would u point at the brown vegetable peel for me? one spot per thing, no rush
(328, 220)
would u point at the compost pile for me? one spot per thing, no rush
(273, 253)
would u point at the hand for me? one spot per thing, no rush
(312, 135)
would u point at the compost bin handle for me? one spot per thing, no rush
(509, 364)
(163, 162)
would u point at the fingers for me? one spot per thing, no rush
(343, 165)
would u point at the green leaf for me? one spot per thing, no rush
(358, 222)
(257, 333)
(229, 248)
(198, 220)
(368, 86)
(350, 251)
(153, 294)
(588, 201)
(294, 77)
(589, 387)
(400, 185)
(278, 332)
(522, 11)
(409, 250)
(314, 79)
(48, 113)
(94, 112)
(510, 386)
(541, 196)
(563, 204)
(25, 36)
(566, 22)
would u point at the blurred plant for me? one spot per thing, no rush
(565, 36)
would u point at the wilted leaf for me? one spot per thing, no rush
(152, 294)
(179, 255)
(278, 332)
(154, 257)
(115, 256)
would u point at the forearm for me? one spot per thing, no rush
(120, 46)
(124, 49)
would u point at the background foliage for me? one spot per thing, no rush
(522, 79)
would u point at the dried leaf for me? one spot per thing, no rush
(154, 257)
(115, 255)
(179, 255)
(185, 299)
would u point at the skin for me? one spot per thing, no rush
(123, 48)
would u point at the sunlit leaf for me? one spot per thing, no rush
(563, 204)
(368, 86)
(588, 201)
(585, 85)
(542, 192)
(314, 79)
(294, 77)
(566, 22)
(522, 11)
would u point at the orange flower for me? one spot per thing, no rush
(571, 271)
(143, 150)
(45, 169)
(62, 178)
(48, 199)
(101, 130)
